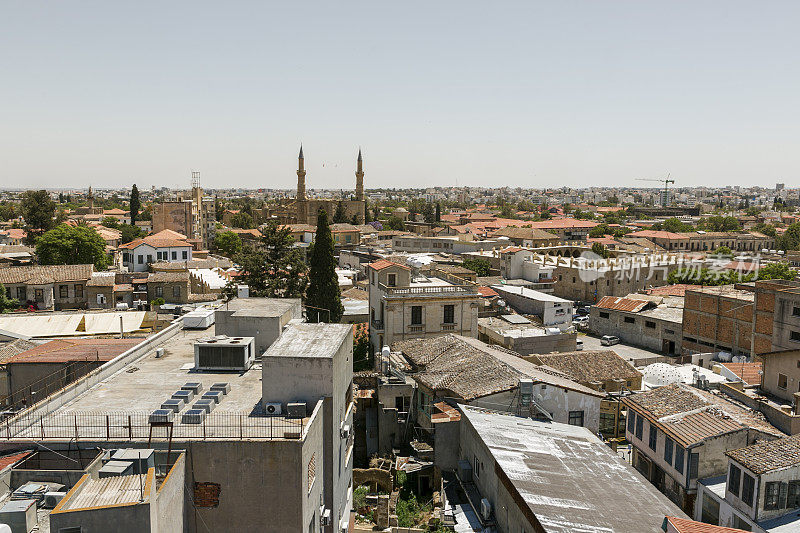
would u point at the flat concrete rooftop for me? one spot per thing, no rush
(266, 307)
(309, 340)
(129, 395)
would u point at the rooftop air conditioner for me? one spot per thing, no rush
(51, 499)
(272, 408)
(296, 409)
(193, 416)
(223, 353)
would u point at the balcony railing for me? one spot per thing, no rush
(433, 289)
(416, 328)
(377, 324)
(448, 327)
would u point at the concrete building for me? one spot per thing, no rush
(518, 264)
(718, 319)
(553, 311)
(470, 371)
(540, 476)
(309, 362)
(190, 213)
(406, 305)
(760, 490)
(708, 240)
(653, 323)
(54, 287)
(261, 318)
(454, 245)
(517, 333)
(680, 434)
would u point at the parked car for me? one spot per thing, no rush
(582, 311)
(609, 340)
(579, 344)
(581, 321)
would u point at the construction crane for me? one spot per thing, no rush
(666, 183)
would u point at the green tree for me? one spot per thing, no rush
(340, 215)
(790, 240)
(363, 357)
(273, 268)
(723, 251)
(395, 223)
(6, 303)
(110, 222)
(229, 291)
(438, 212)
(673, 225)
(228, 243)
(766, 229)
(323, 289)
(130, 232)
(38, 210)
(600, 250)
(478, 265)
(367, 213)
(242, 220)
(135, 204)
(777, 271)
(68, 245)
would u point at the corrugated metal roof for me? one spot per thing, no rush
(692, 428)
(619, 303)
(115, 490)
(72, 324)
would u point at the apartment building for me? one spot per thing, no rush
(680, 435)
(190, 213)
(405, 304)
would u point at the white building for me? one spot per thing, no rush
(163, 246)
(554, 311)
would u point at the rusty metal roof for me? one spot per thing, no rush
(619, 303)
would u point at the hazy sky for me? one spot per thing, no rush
(528, 93)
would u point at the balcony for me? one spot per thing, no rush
(377, 324)
(416, 328)
(431, 290)
(448, 326)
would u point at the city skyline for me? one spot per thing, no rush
(524, 96)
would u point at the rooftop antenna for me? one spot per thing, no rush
(195, 179)
(141, 488)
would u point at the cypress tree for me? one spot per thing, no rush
(135, 205)
(323, 289)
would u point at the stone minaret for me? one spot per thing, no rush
(359, 179)
(301, 176)
(90, 197)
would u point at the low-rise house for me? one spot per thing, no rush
(680, 434)
(673, 524)
(48, 286)
(108, 290)
(528, 237)
(345, 234)
(650, 322)
(760, 490)
(473, 372)
(601, 370)
(519, 334)
(173, 287)
(540, 476)
(553, 311)
(781, 375)
(163, 246)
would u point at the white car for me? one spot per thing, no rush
(609, 340)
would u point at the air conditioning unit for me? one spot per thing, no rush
(51, 499)
(296, 409)
(223, 353)
(193, 416)
(486, 509)
(325, 517)
(346, 431)
(272, 408)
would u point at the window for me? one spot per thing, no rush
(772, 492)
(694, 459)
(794, 335)
(21, 293)
(782, 381)
(631, 421)
(78, 290)
(425, 403)
(793, 497)
(679, 454)
(391, 280)
(639, 427)
(668, 447)
(795, 311)
(653, 440)
(39, 295)
(174, 256)
(478, 465)
(416, 315)
(63, 291)
(372, 274)
(185, 254)
(709, 510)
(573, 279)
(576, 418)
(740, 523)
(176, 292)
(630, 320)
(603, 314)
(734, 478)
(449, 314)
(149, 259)
(141, 259)
(159, 291)
(748, 488)
(648, 324)
(71, 529)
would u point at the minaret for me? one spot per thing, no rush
(359, 179)
(90, 197)
(301, 177)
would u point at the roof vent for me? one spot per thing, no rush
(214, 395)
(194, 386)
(175, 404)
(207, 405)
(161, 415)
(224, 388)
(193, 416)
(185, 395)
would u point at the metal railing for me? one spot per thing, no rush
(136, 426)
(377, 324)
(434, 289)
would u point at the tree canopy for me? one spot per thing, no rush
(478, 265)
(273, 268)
(68, 245)
(135, 204)
(38, 210)
(228, 243)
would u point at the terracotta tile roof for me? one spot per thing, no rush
(653, 234)
(448, 413)
(355, 293)
(65, 350)
(487, 292)
(684, 525)
(693, 427)
(530, 234)
(768, 456)
(619, 303)
(383, 263)
(678, 289)
(588, 366)
(750, 373)
(563, 223)
(168, 277)
(41, 274)
(156, 242)
(9, 460)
